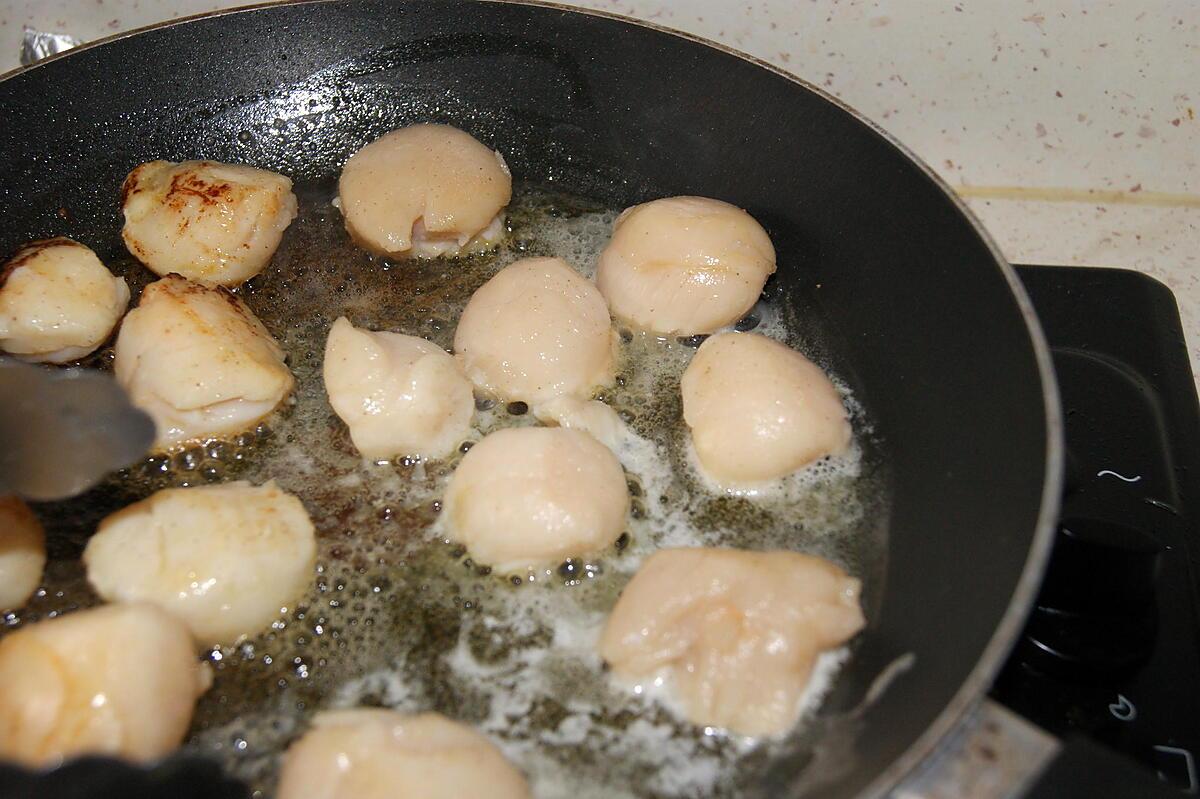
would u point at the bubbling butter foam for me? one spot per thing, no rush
(397, 616)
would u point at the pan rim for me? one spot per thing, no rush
(973, 689)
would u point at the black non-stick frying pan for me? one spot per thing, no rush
(910, 298)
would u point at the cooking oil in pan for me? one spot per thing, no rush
(399, 617)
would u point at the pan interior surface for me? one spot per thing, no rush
(881, 278)
(398, 616)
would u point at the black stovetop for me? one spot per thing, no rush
(1112, 648)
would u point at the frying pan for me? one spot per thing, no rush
(899, 285)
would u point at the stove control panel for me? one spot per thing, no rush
(1112, 649)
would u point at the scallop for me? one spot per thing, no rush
(119, 680)
(399, 395)
(225, 559)
(212, 222)
(734, 635)
(684, 265)
(383, 754)
(531, 496)
(591, 416)
(759, 410)
(425, 190)
(535, 331)
(22, 553)
(199, 362)
(58, 302)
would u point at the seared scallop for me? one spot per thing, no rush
(223, 558)
(199, 362)
(684, 265)
(734, 635)
(22, 552)
(399, 395)
(212, 222)
(57, 302)
(119, 680)
(425, 190)
(759, 410)
(533, 496)
(535, 331)
(382, 754)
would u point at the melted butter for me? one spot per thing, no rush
(399, 617)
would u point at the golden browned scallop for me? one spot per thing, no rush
(382, 754)
(223, 558)
(425, 190)
(759, 410)
(535, 331)
(684, 265)
(735, 635)
(211, 222)
(58, 302)
(199, 362)
(119, 680)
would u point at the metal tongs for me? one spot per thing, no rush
(63, 430)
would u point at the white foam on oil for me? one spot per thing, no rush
(683, 764)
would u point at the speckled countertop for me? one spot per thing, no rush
(1070, 126)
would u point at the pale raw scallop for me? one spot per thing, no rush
(223, 558)
(57, 302)
(532, 496)
(425, 190)
(119, 680)
(759, 410)
(684, 265)
(199, 362)
(590, 416)
(734, 634)
(370, 753)
(212, 222)
(536, 330)
(22, 552)
(399, 395)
